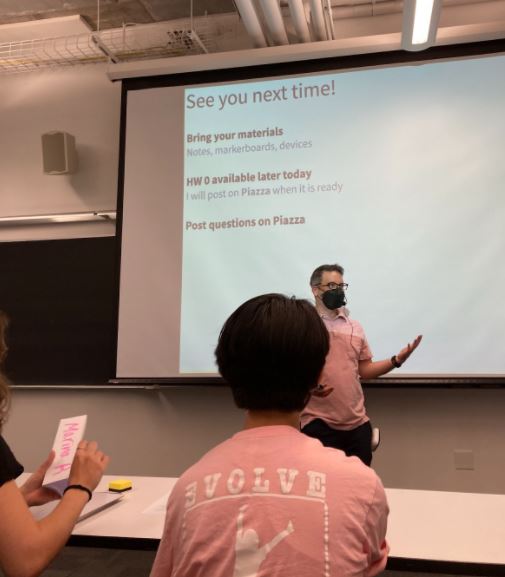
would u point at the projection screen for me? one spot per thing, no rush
(234, 188)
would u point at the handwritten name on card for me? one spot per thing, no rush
(70, 432)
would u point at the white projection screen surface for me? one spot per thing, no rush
(238, 188)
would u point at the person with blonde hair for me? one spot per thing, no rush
(28, 546)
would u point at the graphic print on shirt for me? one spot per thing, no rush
(249, 555)
(265, 520)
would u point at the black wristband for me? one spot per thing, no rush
(80, 488)
(395, 362)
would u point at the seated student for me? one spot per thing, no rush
(28, 546)
(271, 501)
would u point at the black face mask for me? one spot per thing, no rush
(334, 299)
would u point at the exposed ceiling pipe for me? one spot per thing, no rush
(342, 9)
(251, 22)
(354, 3)
(458, 2)
(368, 9)
(376, 4)
(328, 18)
(274, 22)
(297, 11)
(317, 20)
(363, 9)
(264, 19)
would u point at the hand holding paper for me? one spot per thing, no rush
(88, 465)
(33, 491)
(30, 545)
(73, 461)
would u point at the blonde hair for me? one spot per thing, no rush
(4, 383)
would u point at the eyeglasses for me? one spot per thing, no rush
(334, 285)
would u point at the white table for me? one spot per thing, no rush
(426, 530)
(134, 517)
(449, 528)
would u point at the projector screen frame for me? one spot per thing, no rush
(265, 71)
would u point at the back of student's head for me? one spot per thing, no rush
(271, 351)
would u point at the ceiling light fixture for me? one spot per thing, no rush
(420, 23)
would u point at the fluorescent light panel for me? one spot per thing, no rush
(420, 23)
(422, 20)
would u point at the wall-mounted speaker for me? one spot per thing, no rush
(58, 153)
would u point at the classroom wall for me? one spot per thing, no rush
(160, 433)
(78, 100)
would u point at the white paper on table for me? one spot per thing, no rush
(70, 432)
(159, 506)
(99, 502)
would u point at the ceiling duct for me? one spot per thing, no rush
(251, 22)
(274, 22)
(265, 20)
(317, 20)
(297, 11)
(281, 22)
(328, 19)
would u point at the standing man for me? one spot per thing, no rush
(336, 412)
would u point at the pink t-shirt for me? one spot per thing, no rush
(272, 502)
(344, 407)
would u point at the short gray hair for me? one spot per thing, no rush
(317, 275)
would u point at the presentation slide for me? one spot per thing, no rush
(244, 188)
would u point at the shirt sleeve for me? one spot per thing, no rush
(375, 546)
(9, 467)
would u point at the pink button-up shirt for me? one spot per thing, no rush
(344, 407)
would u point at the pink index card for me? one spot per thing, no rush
(69, 434)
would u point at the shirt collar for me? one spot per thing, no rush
(342, 313)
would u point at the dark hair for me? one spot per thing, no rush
(316, 276)
(271, 351)
(4, 383)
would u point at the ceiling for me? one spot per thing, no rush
(108, 14)
(113, 13)
(163, 28)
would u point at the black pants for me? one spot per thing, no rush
(356, 442)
